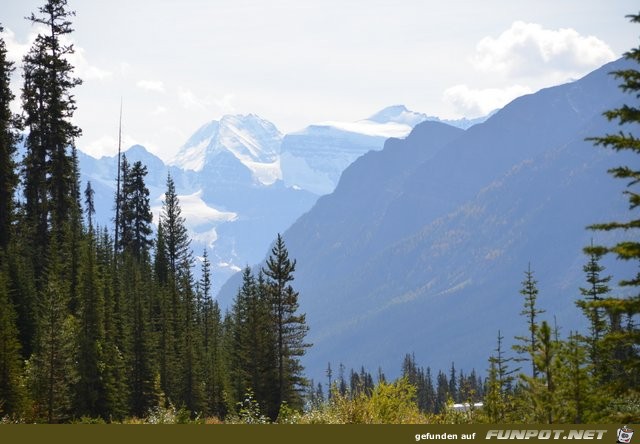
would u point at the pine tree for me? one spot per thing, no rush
(290, 327)
(530, 312)
(9, 137)
(625, 341)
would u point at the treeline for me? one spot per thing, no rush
(430, 397)
(110, 323)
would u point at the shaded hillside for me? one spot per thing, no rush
(427, 254)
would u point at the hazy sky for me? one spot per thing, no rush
(180, 63)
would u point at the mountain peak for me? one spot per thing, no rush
(253, 141)
(398, 114)
(137, 150)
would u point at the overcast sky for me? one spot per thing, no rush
(178, 64)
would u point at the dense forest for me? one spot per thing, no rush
(109, 323)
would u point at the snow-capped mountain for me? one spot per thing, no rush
(226, 176)
(255, 142)
(229, 178)
(314, 158)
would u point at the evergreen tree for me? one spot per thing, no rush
(429, 397)
(503, 373)
(575, 385)
(453, 388)
(175, 235)
(90, 389)
(140, 356)
(253, 358)
(89, 205)
(442, 392)
(214, 369)
(290, 327)
(596, 292)
(123, 225)
(49, 106)
(542, 390)
(51, 371)
(9, 137)
(190, 350)
(114, 372)
(175, 254)
(530, 312)
(12, 395)
(624, 342)
(494, 405)
(136, 212)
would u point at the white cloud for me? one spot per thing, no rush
(189, 100)
(104, 146)
(16, 51)
(151, 85)
(472, 102)
(527, 50)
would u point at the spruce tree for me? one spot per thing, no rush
(51, 183)
(9, 137)
(51, 371)
(12, 393)
(621, 341)
(530, 311)
(254, 347)
(89, 205)
(191, 348)
(174, 261)
(575, 384)
(140, 356)
(596, 291)
(90, 389)
(543, 389)
(290, 327)
(176, 238)
(135, 213)
(214, 371)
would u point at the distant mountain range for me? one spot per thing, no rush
(422, 246)
(233, 183)
(314, 158)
